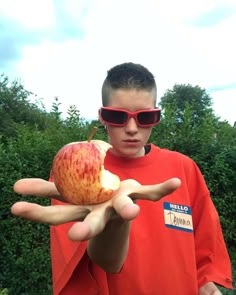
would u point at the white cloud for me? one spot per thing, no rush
(157, 34)
(224, 102)
(31, 14)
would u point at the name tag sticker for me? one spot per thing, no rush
(178, 216)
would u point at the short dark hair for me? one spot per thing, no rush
(128, 76)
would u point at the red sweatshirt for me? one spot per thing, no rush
(176, 244)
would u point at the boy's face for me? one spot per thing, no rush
(129, 140)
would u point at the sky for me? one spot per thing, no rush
(63, 49)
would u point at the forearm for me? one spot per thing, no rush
(109, 249)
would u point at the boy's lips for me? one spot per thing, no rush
(131, 140)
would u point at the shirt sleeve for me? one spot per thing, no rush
(65, 255)
(212, 258)
(71, 266)
(72, 270)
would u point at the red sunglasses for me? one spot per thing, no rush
(120, 117)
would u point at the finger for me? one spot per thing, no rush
(79, 231)
(93, 224)
(52, 215)
(37, 187)
(125, 207)
(157, 191)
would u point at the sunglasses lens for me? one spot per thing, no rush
(148, 118)
(114, 116)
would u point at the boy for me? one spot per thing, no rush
(131, 244)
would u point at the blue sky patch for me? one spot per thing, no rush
(214, 16)
(222, 87)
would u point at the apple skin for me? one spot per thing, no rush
(79, 174)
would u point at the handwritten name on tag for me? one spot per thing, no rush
(178, 216)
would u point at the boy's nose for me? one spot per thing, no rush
(131, 126)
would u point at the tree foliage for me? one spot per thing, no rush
(30, 138)
(183, 95)
(15, 108)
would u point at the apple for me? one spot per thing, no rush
(79, 175)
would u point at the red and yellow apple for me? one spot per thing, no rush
(79, 174)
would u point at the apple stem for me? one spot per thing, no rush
(92, 133)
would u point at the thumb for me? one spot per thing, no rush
(157, 191)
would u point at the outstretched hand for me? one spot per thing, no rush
(94, 217)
